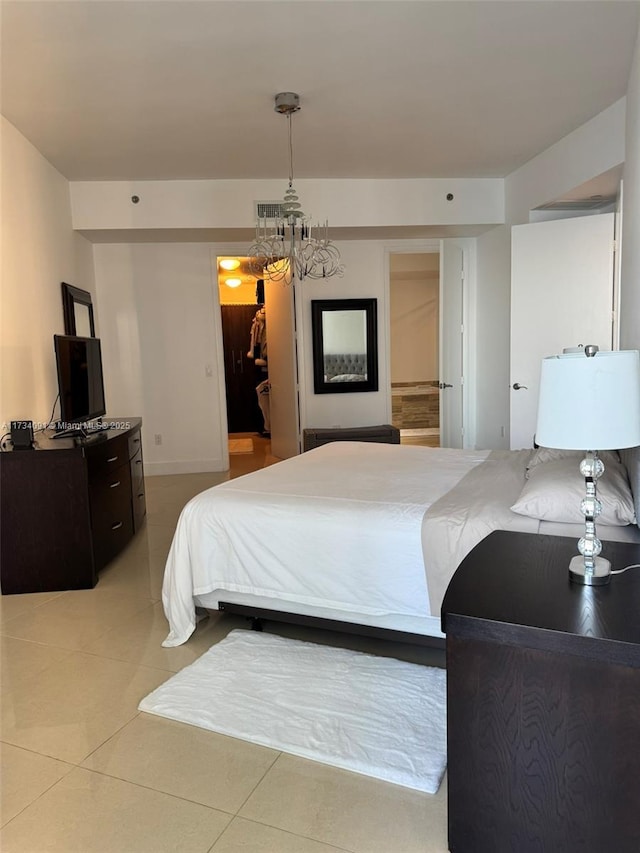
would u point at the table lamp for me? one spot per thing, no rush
(590, 400)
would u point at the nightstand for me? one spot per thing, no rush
(543, 700)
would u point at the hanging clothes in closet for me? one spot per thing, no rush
(263, 391)
(258, 351)
(258, 339)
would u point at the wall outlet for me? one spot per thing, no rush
(157, 438)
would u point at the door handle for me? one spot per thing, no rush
(444, 385)
(518, 387)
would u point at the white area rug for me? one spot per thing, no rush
(377, 716)
(240, 445)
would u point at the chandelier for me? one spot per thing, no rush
(290, 247)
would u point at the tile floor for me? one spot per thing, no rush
(83, 770)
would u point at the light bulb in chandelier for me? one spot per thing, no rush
(289, 246)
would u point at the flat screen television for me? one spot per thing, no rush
(80, 382)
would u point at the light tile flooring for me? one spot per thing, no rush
(83, 770)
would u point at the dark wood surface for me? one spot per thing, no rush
(68, 507)
(45, 522)
(543, 724)
(522, 579)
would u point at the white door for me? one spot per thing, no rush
(451, 345)
(561, 296)
(279, 303)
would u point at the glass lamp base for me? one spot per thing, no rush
(601, 573)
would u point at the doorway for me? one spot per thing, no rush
(241, 375)
(245, 367)
(414, 304)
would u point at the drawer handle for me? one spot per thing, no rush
(114, 485)
(113, 459)
(136, 441)
(116, 526)
(141, 495)
(139, 462)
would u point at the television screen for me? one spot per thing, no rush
(79, 363)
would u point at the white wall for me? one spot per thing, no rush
(492, 340)
(414, 316)
(160, 331)
(230, 204)
(39, 251)
(630, 264)
(589, 151)
(364, 278)
(162, 350)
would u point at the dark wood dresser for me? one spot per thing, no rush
(543, 699)
(69, 507)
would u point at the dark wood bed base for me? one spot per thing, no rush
(257, 614)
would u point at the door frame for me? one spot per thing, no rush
(432, 246)
(221, 250)
(398, 247)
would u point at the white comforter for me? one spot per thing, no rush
(338, 527)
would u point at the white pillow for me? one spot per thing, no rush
(550, 454)
(554, 491)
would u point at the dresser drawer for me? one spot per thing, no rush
(137, 468)
(111, 513)
(110, 537)
(138, 490)
(106, 457)
(135, 444)
(139, 507)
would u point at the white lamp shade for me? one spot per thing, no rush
(590, 402)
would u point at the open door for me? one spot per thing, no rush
(451, 344)
(282, 358)
(561, 296)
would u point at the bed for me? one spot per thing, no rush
(369, 535)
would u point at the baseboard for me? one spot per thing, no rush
(185, 466)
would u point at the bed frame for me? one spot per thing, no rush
(258, 615)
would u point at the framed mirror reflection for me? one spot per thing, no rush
(78, 311)
(345, 345)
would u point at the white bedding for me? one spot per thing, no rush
(338, 527)
(476, 506)
(355, 531)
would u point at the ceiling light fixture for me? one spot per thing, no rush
(288, 249)
(229, 263)
(233, 282)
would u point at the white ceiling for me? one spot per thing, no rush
(173, 89)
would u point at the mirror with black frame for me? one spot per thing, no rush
(78, 311)
(345, 345)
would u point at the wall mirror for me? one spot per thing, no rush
(78, 311)
(345, 345)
